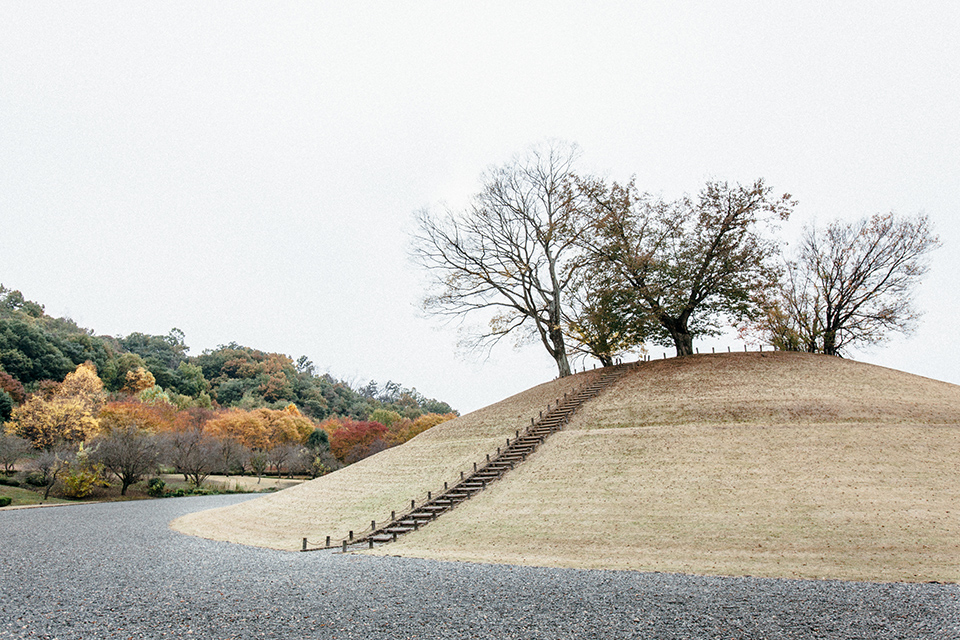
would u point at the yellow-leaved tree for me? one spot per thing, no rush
(137, 380)
(68, 413)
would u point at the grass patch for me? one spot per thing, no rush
(809, 502)
(22, 497)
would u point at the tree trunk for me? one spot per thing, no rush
(563, 365)
(830, 342)
(559, 352)
(683, 341)
(682, 338)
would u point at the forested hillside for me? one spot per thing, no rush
(78, 408)
(35, 347)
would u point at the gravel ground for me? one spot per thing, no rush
(116, 570)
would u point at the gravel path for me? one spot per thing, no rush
(117, 571)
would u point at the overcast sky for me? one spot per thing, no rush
(249, 171)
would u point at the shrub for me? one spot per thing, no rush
(80, 483)
(5, 501)
(35, 479)
(156, 487)
(10, 482)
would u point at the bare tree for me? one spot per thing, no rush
(12, 449)
(511, 253)
(280, 455)
(258, 463)
(690, 262)
(128, 451)
(193, 453)
(127, 447)
(50, 463)
(851, 284)
(231, 455)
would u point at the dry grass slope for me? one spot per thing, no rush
(782, 465)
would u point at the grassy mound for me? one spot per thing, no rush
(775, 464)
(781, 465)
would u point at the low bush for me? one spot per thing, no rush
(35, 478)
(156, 487)
(10, 482)
(5, 501)
(180, 492)
(80, 483)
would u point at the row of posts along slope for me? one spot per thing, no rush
(514, 452)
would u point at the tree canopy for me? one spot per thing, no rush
(511, 254)
(851, 284)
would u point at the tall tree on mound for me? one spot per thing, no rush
(511, 253)
(688, 263)
(851, 283)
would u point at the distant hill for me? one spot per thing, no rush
(35, 347)
(772, 464)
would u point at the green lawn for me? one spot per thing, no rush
(23, 496)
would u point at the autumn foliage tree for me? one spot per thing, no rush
(13, 387)
(137, 380)
(356, 439)
(407, 429)
(353, 440)
(61, 413)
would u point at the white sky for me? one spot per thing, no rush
(249, 171)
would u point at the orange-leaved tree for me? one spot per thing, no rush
(246, 427)
(407, 429)
(137, 380)
(355, 440)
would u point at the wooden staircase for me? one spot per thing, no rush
(514, 452)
